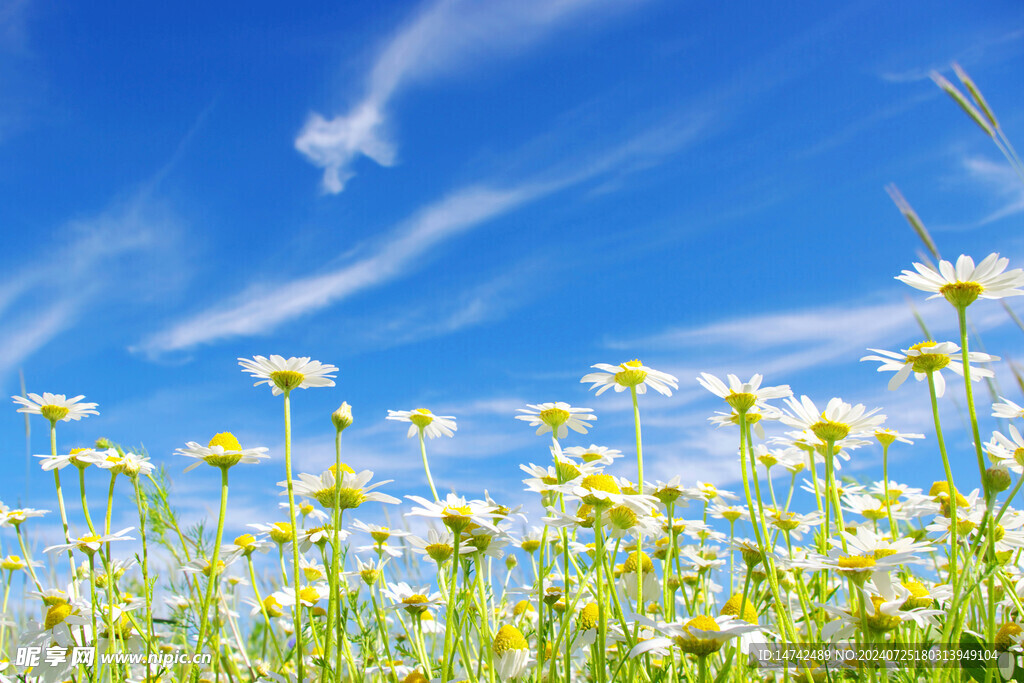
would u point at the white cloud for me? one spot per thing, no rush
(263, 307)
(1000, 178)
(448, 36)
(94, 256)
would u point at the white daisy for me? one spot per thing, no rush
(556, 416)
(414, 600)
(929, 357)
(55, 407)
(629, 375)
(962, 284)
(887, 436)
(422, 419)
(284, 375)
(1008, 451)
(742, 396)
(593, 453)
(223, 451)
(15, 517)
(1007, 409)
(511, 653)
(351, 492)
(457, 513)
(837, 422)
(700, 635)
(79, 457)
(91, 543)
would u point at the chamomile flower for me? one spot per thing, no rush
(351, 492)
(223, 451)
(284, 375)
(438, 545)
(15, 517)
(91, 543)
(307, 509)
(457, 513)
(511, 653)
(629, 375)
(1007, 451)
(593, 454)
(432, 425)
(929, 357)
(700, 635)
(754, 417)
(886, 436)
(380, 534)
(743, 396)
(963, 284)
(414, 600)
(79, 457)
(1007, 409)
(558, 417)
(55, 407)
(837, 422)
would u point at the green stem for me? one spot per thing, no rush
(426, 466)
(450, 617)
(212, 579)
(296, 584)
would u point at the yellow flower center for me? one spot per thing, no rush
(786, 521)
(629, 566)
(12, 562)
(919, 596)
(927, 362)
(741, 401)
(879, 621)
(53, 413)
(281, 532)
(622, 517)
(246, 541)
(272, 606)
(309, 594)
(381, 535)
(421, 417)
(566, 470)
(522, 607)
(885, 436)
(509, 638)
(961, 294)
(345, 469)
(348, 498)
(699, 646)
(286, 380)
(855, 562)
(225, 440)
(631, 375)
(588, 616)
(369, 576)
(416, 603)
(456, 517)
(590, 456)
(732, 608)
(530, 545)
(439, 552)
(554, 417)
(828, 430)
(1007, 636)
(56, 615)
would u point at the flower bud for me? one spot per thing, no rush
(996, 479)
(342, 417)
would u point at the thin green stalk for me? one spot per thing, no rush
(426, 466)
(60, 506)
(297, 584)
(212, 579)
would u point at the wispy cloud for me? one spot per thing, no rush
(998, 177)
(446, 37)
(262, 307)
(792, 341)
(50, 294)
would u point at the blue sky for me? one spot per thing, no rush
(465, 205)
